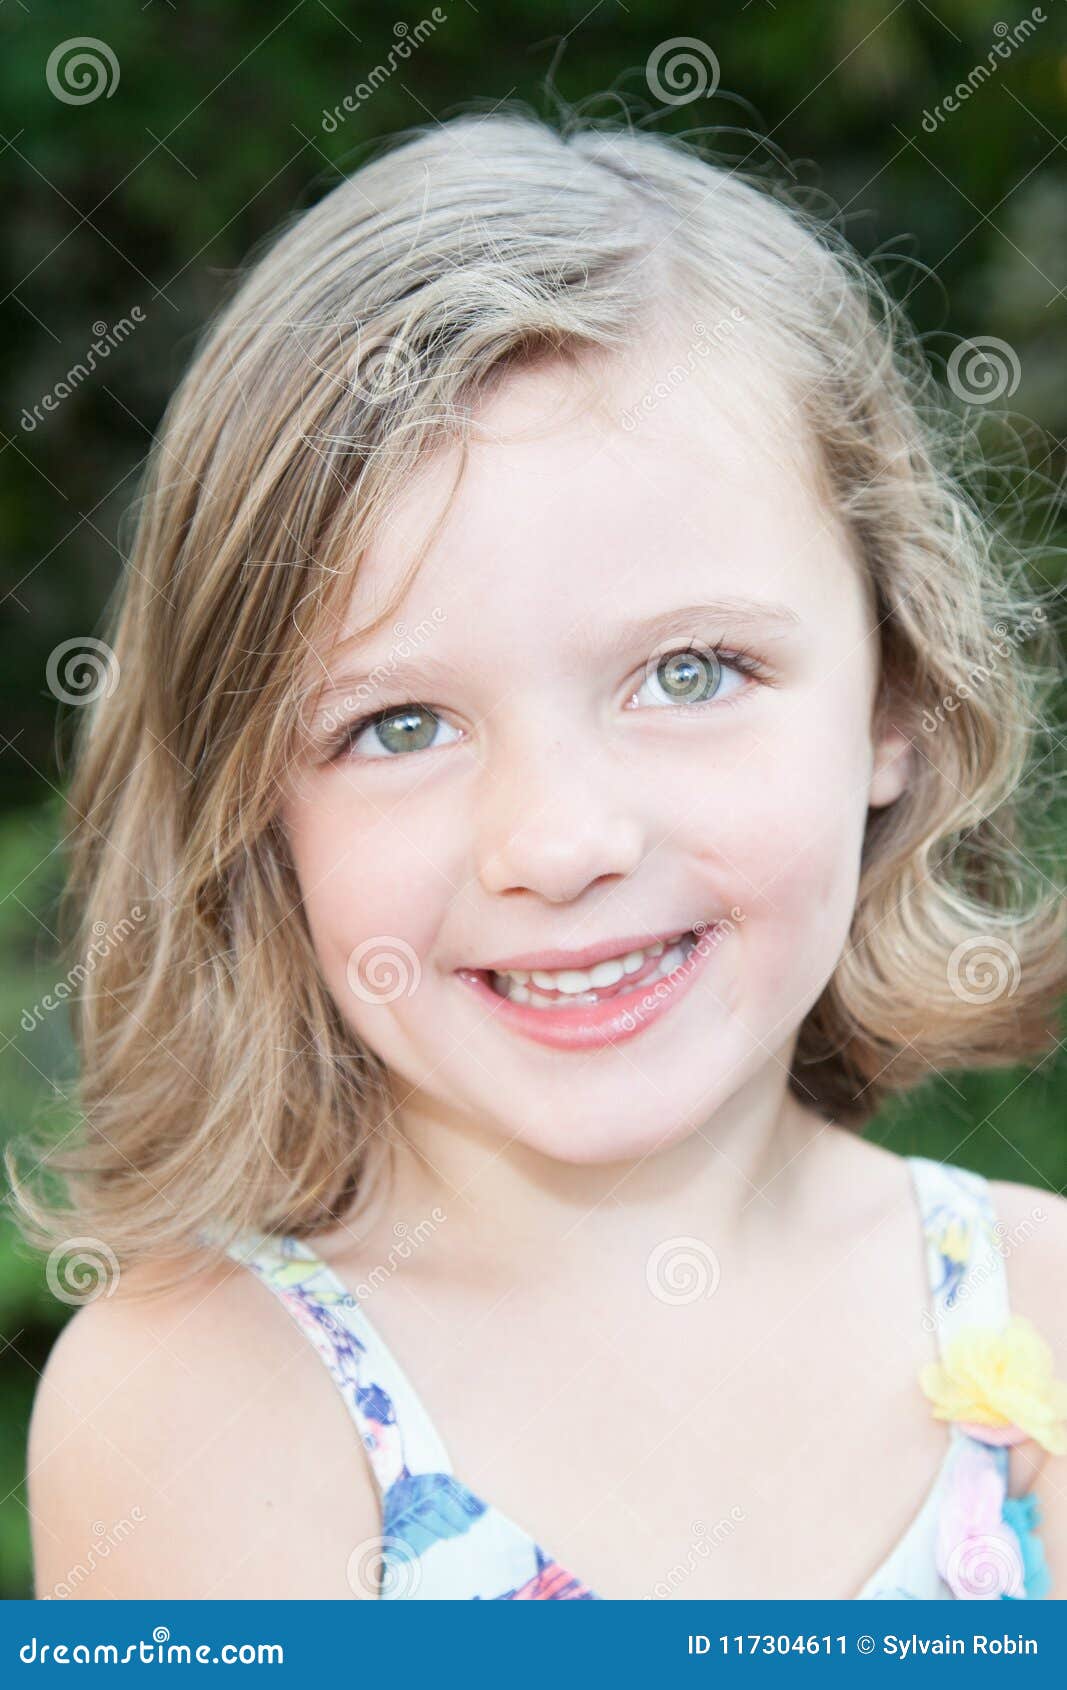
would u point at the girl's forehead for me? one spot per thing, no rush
(566, 493)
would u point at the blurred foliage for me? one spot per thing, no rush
(151, 195)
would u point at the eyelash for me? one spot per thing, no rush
(736, 657)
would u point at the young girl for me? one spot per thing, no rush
(602, 493)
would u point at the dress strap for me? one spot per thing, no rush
(965, 1265)
(396, 1431)
(984, 1542)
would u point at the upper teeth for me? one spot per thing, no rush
(606, 973)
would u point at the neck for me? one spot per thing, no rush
(727, 1178)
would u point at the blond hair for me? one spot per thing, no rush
(220, 1087)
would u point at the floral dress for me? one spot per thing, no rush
(992, 1383)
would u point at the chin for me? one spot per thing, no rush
(583, 1145)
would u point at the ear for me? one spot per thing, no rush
(891, 769)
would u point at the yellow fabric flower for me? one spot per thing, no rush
(999, 1377)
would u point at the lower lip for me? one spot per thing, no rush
(589, 1025)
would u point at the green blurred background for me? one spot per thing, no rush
(149, 194)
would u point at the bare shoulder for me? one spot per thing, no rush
(1032, 1233)
(188, 1442)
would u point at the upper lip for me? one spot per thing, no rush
(584, 958)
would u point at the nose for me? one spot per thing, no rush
(554, 819)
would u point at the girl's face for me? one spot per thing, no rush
(632, 694)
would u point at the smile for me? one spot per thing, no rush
(581, 1009)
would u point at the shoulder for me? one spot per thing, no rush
(1031, 1226)
(188, 1442)
(1031, 1232)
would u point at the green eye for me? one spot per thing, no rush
(391, 733)
(689, 677)
(411, 730)
(702, 674)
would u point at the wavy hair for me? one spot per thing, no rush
(219, 1086)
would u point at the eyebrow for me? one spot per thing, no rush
(765, 616)
(747, 613)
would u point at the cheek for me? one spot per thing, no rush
(371, 898)
(780, 835)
